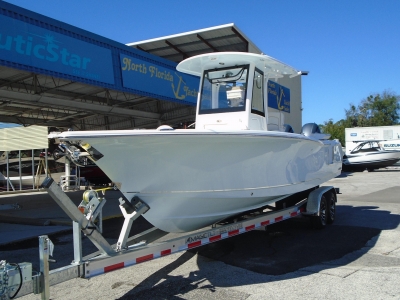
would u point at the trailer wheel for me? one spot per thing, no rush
(331, 211)
(319, 222)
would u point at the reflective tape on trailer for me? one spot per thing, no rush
(94, 268)
(212, 239)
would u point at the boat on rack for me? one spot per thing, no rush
(370, 155)
(27, 168)
(230, 163)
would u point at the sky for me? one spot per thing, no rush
(351, 49)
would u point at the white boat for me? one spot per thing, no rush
(369, 155)
(28, 172)
(228, 164)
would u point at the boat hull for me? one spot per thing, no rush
(191, 179)
(371, 160)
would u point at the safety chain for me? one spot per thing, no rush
(4, 281)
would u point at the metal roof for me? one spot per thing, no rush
(214, 39)
(35, 99)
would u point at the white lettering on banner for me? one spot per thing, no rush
(48, 51)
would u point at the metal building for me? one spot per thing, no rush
(379, 133)
(57, 75)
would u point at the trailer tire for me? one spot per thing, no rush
(331, 207)
(319, 221)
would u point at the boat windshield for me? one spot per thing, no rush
(370, 146)
(224, 90)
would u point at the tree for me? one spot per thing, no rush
(376, 110)
(336, 130)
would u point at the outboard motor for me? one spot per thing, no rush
(288, 128)
(312, 130)
(309, 129)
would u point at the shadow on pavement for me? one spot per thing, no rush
(274, 254)
(264, 256)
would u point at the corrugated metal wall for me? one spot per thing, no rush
(24, 138)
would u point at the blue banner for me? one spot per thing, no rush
(278, 97)
(33, 46)
(148, 77)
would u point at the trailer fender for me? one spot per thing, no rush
(314, 200)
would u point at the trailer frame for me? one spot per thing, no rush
(150, 244)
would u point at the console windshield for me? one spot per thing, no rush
(224, 90)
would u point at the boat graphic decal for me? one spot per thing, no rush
(391, 145)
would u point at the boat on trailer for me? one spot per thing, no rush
(370, 155)
(230, 163)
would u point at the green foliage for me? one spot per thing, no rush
(376, 110)
(336, 130)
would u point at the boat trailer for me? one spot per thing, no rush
(17, 280)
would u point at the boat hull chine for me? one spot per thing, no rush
(375, 160)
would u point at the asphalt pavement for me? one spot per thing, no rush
(357, 257)
(25, 216)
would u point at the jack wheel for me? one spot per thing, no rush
(320, 221)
